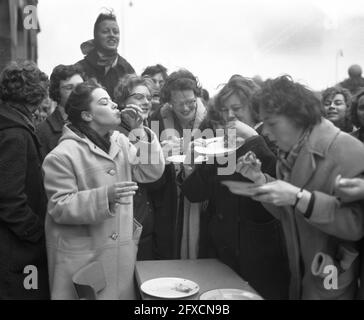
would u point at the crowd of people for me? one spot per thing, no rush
(91, 185)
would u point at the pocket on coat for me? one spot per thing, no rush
(70, 256)
(65, 266)
(346, 257)
(347, 270)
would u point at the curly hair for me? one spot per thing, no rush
(244, 88)
(124, 89)
(354, 108)
(61, 73)
(330, 93)
(285, 97)
(153, 70)
(80, 100)
(180, 81)
(23, 83)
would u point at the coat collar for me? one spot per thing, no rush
(68, 134)
(11, 118)
(318, 143)
(56, 121)
(322, 137)
(93, 57)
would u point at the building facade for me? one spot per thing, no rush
(17, 42)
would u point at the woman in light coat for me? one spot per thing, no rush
(88, 180)
(322, 233)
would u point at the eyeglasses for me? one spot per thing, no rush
(140, 96)
(189, 103)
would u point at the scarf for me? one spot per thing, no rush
(106, 59)
(83, 130)
(286, 160)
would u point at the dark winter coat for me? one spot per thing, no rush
(50, 131)
(238, 230)
(22, 207)
(109, 80)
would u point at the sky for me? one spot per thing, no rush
(315, 41)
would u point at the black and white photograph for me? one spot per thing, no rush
(183, 151)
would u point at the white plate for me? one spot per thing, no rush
(181, 158)
(229, 294)
(240, 187)
(170, 288)
(215, 147)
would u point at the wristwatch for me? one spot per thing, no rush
(299, 196)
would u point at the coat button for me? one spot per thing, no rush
(114, 236)
(112, 172)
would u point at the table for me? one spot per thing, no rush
(209, 274)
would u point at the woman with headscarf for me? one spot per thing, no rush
(102, 61)
(90, 179)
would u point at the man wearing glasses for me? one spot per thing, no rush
(63, 80)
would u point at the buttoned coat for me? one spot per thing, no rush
(80, 226)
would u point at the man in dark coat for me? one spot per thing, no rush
(102, 61)
(63, 80)
(23, 260)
